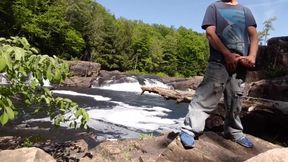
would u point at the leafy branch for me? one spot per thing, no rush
(19, 61)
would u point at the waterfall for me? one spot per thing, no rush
(128, 83)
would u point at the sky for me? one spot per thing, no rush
(189, 13)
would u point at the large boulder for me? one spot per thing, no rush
(32, 154)
(275, 155)
(269, 79)
(212, 147)
(277, 52)
(83, 73)
(274, 89)
(272, 60)
(84, 68)
(76, 81)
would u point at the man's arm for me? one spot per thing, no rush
(249, 61)
(231, 59)
(253, 44)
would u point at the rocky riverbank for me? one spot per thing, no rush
(69, 145)
(34, 142)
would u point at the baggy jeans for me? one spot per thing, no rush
(216, 81)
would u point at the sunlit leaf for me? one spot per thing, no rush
(9, 112)
(4, 118)
(57, 76)
(8, 60)
(24, 42)
(2, 63)
(19, 53)
(34, 50)
(49, 73)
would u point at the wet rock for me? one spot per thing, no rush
(111, 77)
(106, 78)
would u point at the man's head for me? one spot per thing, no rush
(232, 2)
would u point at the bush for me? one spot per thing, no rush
(18, 60)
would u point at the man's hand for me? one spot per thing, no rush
(251, 59)
(247, 61)
(231, 61)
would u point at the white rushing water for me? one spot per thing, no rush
(135, 117)
(127, 87)
(140, 118)
(118, 112)
(132, 86)
(72, 93)
(124, 117)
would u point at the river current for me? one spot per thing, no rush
(120, 111)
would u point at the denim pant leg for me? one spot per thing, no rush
(232, 100)
(206, 98)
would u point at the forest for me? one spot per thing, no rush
(85, 30)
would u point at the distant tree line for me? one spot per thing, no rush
(83, 29)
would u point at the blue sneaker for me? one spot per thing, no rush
(244, 141)
(187, 140)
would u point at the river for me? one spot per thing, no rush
(119, 111)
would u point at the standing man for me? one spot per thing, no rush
(231, 31)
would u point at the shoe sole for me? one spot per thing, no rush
(185, 146)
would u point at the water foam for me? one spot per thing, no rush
(142, 118)
(72, 93)
(127, 87)
(132, 86)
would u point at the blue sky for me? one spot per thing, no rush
(189, 13)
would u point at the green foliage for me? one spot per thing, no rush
(192, 51)
(137, 72)
(161, 74)
(18, 60)
(43, 23)
(144, 136)
(83, 29)
(31, 140)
